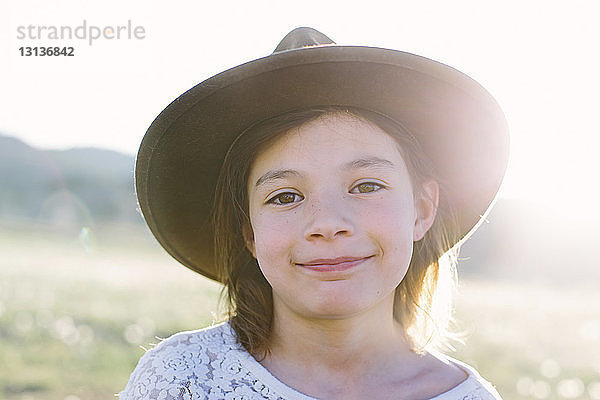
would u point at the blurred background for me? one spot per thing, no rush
(84, 288)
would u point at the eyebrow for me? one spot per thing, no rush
(369, 162)
(276, 174)
(366, 162)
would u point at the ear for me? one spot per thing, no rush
(249, 238)
(426, 206)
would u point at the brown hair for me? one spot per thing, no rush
(249, 296)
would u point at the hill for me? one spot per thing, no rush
(65, 186)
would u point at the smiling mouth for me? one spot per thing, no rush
(334, 264)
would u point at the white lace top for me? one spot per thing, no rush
(210, 364)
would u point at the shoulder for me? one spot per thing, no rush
(179, 364)
(472, 387)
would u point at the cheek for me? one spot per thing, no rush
(273, 239)
(395, 216)
(391, 224)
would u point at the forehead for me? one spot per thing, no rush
(330, 137)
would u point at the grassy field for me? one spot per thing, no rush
(76, 308)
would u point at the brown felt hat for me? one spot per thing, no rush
(458, 123)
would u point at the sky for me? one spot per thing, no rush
(539, 59)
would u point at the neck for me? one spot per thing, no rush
(350, 346)
(366, 355)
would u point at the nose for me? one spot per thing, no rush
(328, 220)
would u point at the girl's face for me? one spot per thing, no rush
(333, 218)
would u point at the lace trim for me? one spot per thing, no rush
(210, 364)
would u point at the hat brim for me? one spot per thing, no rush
(458, 123)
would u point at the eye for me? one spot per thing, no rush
(366, 187)
(285, 198)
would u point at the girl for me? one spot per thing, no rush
(324, 186)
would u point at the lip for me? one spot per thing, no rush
(333, 264)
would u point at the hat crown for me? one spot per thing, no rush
(302, 37)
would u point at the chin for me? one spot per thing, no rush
(340, 306)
